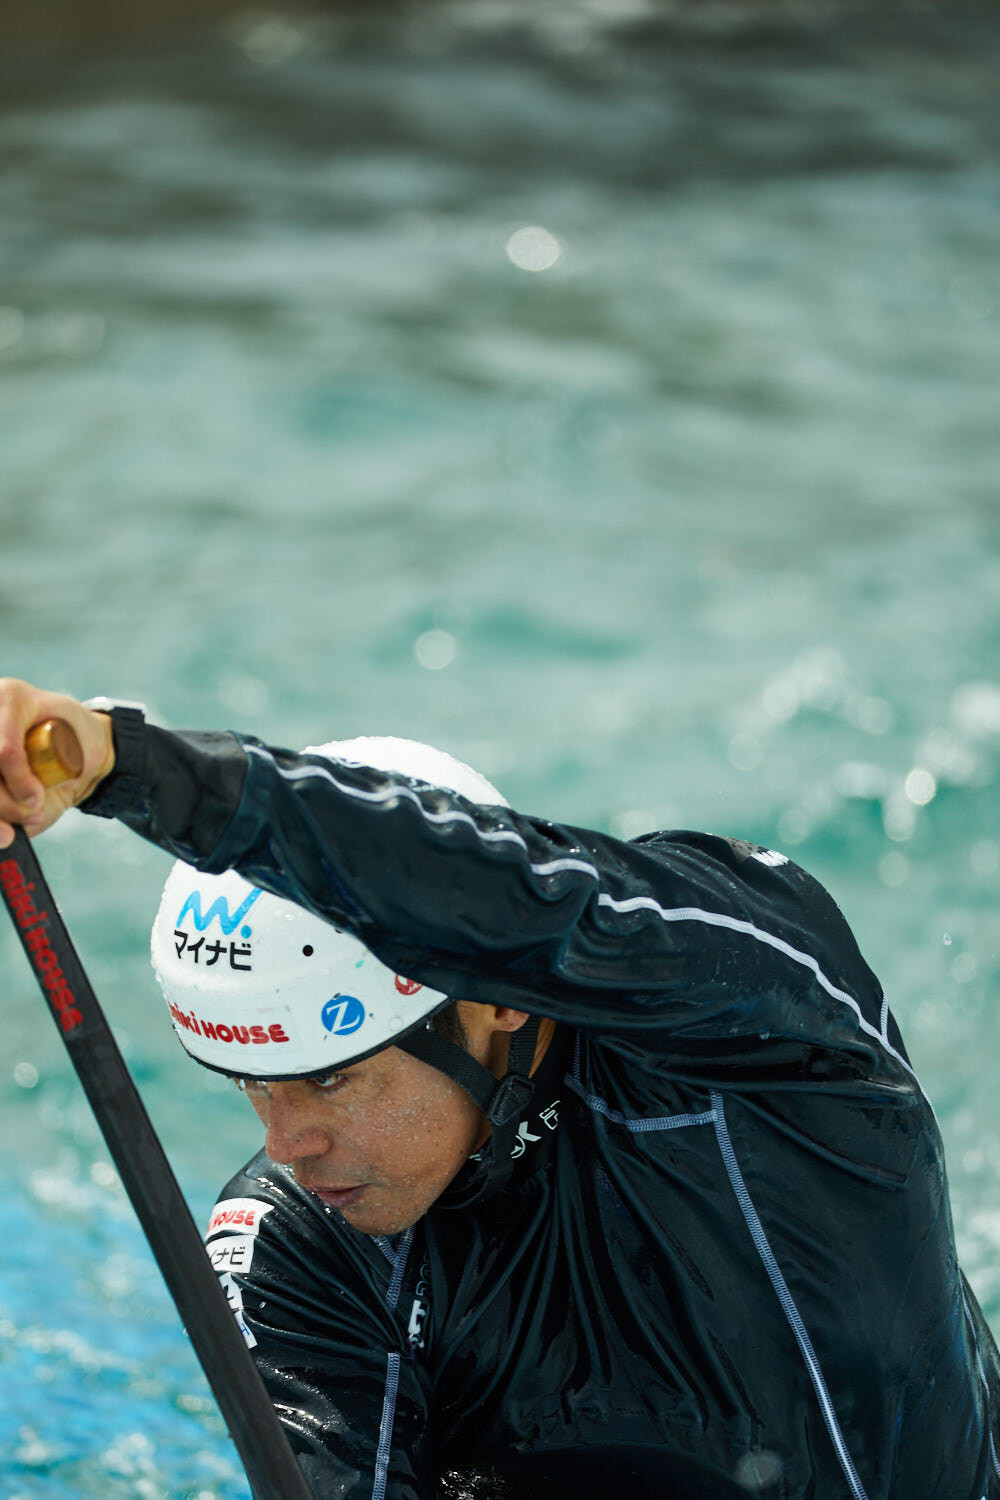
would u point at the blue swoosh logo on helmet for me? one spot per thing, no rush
(219, 908)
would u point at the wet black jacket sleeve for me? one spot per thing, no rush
(727, 960)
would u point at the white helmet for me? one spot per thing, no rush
(259, 987)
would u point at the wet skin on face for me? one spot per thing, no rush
(381, 1140)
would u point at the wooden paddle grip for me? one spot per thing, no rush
(54, 752)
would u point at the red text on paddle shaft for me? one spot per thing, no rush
(217, 1031)
(33, 923)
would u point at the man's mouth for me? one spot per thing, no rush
(339, 1197)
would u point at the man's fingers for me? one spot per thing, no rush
(22, 799)
(23, 789)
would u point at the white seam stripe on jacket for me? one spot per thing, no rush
(736, 924)
(635, 903)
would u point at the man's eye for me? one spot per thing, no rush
(328, 1081)
(258, 1088)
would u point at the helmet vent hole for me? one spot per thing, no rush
(308, 950)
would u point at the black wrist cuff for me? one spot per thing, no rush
(124, 788)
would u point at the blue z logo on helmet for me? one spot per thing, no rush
(343, 1015)
(219, 908)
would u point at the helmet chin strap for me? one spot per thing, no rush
(502, 1100)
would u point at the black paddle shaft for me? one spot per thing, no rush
(148, 1180)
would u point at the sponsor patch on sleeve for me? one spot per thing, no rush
(232, 1252)
(237, 1216)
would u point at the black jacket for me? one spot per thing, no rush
(727, 1239)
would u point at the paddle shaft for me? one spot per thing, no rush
(145, 1172)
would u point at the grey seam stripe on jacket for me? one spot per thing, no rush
(391, 1372)
(785, 1298)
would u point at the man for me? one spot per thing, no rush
(691, 1237)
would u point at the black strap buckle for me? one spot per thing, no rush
(509, 1099)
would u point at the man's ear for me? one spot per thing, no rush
(482, 1020)
(508, 1019)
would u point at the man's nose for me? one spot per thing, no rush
(295, 1127)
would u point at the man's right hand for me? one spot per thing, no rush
(23, 799)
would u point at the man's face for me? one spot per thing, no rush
(379, 1141)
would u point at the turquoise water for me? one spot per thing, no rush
(612, 401)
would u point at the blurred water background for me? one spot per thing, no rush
(607, 392)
